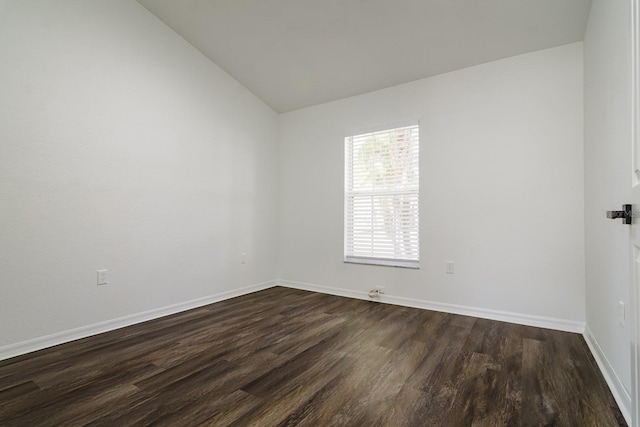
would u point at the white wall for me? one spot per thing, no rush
(122, 147)
(607, 93)
(501, 187)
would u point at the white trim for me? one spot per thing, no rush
(620, 393)
(57, 338)
(385, 262)
(503, 316)
(635, 143)
(381, 127)
(635, 89)
(635, 336)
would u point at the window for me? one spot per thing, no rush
(381, 197)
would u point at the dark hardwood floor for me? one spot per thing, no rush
(284, 357)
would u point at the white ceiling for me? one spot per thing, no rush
(297, 53)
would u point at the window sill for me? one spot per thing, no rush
(413, 264)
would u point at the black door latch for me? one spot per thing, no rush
(626, 214)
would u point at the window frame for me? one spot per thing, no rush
(349, 257)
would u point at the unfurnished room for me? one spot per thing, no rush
(320, 212)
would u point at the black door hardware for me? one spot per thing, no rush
(626, 214)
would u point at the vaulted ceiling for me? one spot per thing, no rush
(297, 53)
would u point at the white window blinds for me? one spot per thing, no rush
(381, 197)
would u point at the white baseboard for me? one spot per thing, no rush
(620, 394)
(503, 316)
(40, 343)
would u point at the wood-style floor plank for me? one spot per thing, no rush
(286, 357)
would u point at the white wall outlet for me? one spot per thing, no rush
(243, 258)
(102, 277)
(450, 267)
(622, 314)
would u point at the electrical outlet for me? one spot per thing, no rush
(243, 258)
(450, 267)
(622, 314)
(102, 277)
